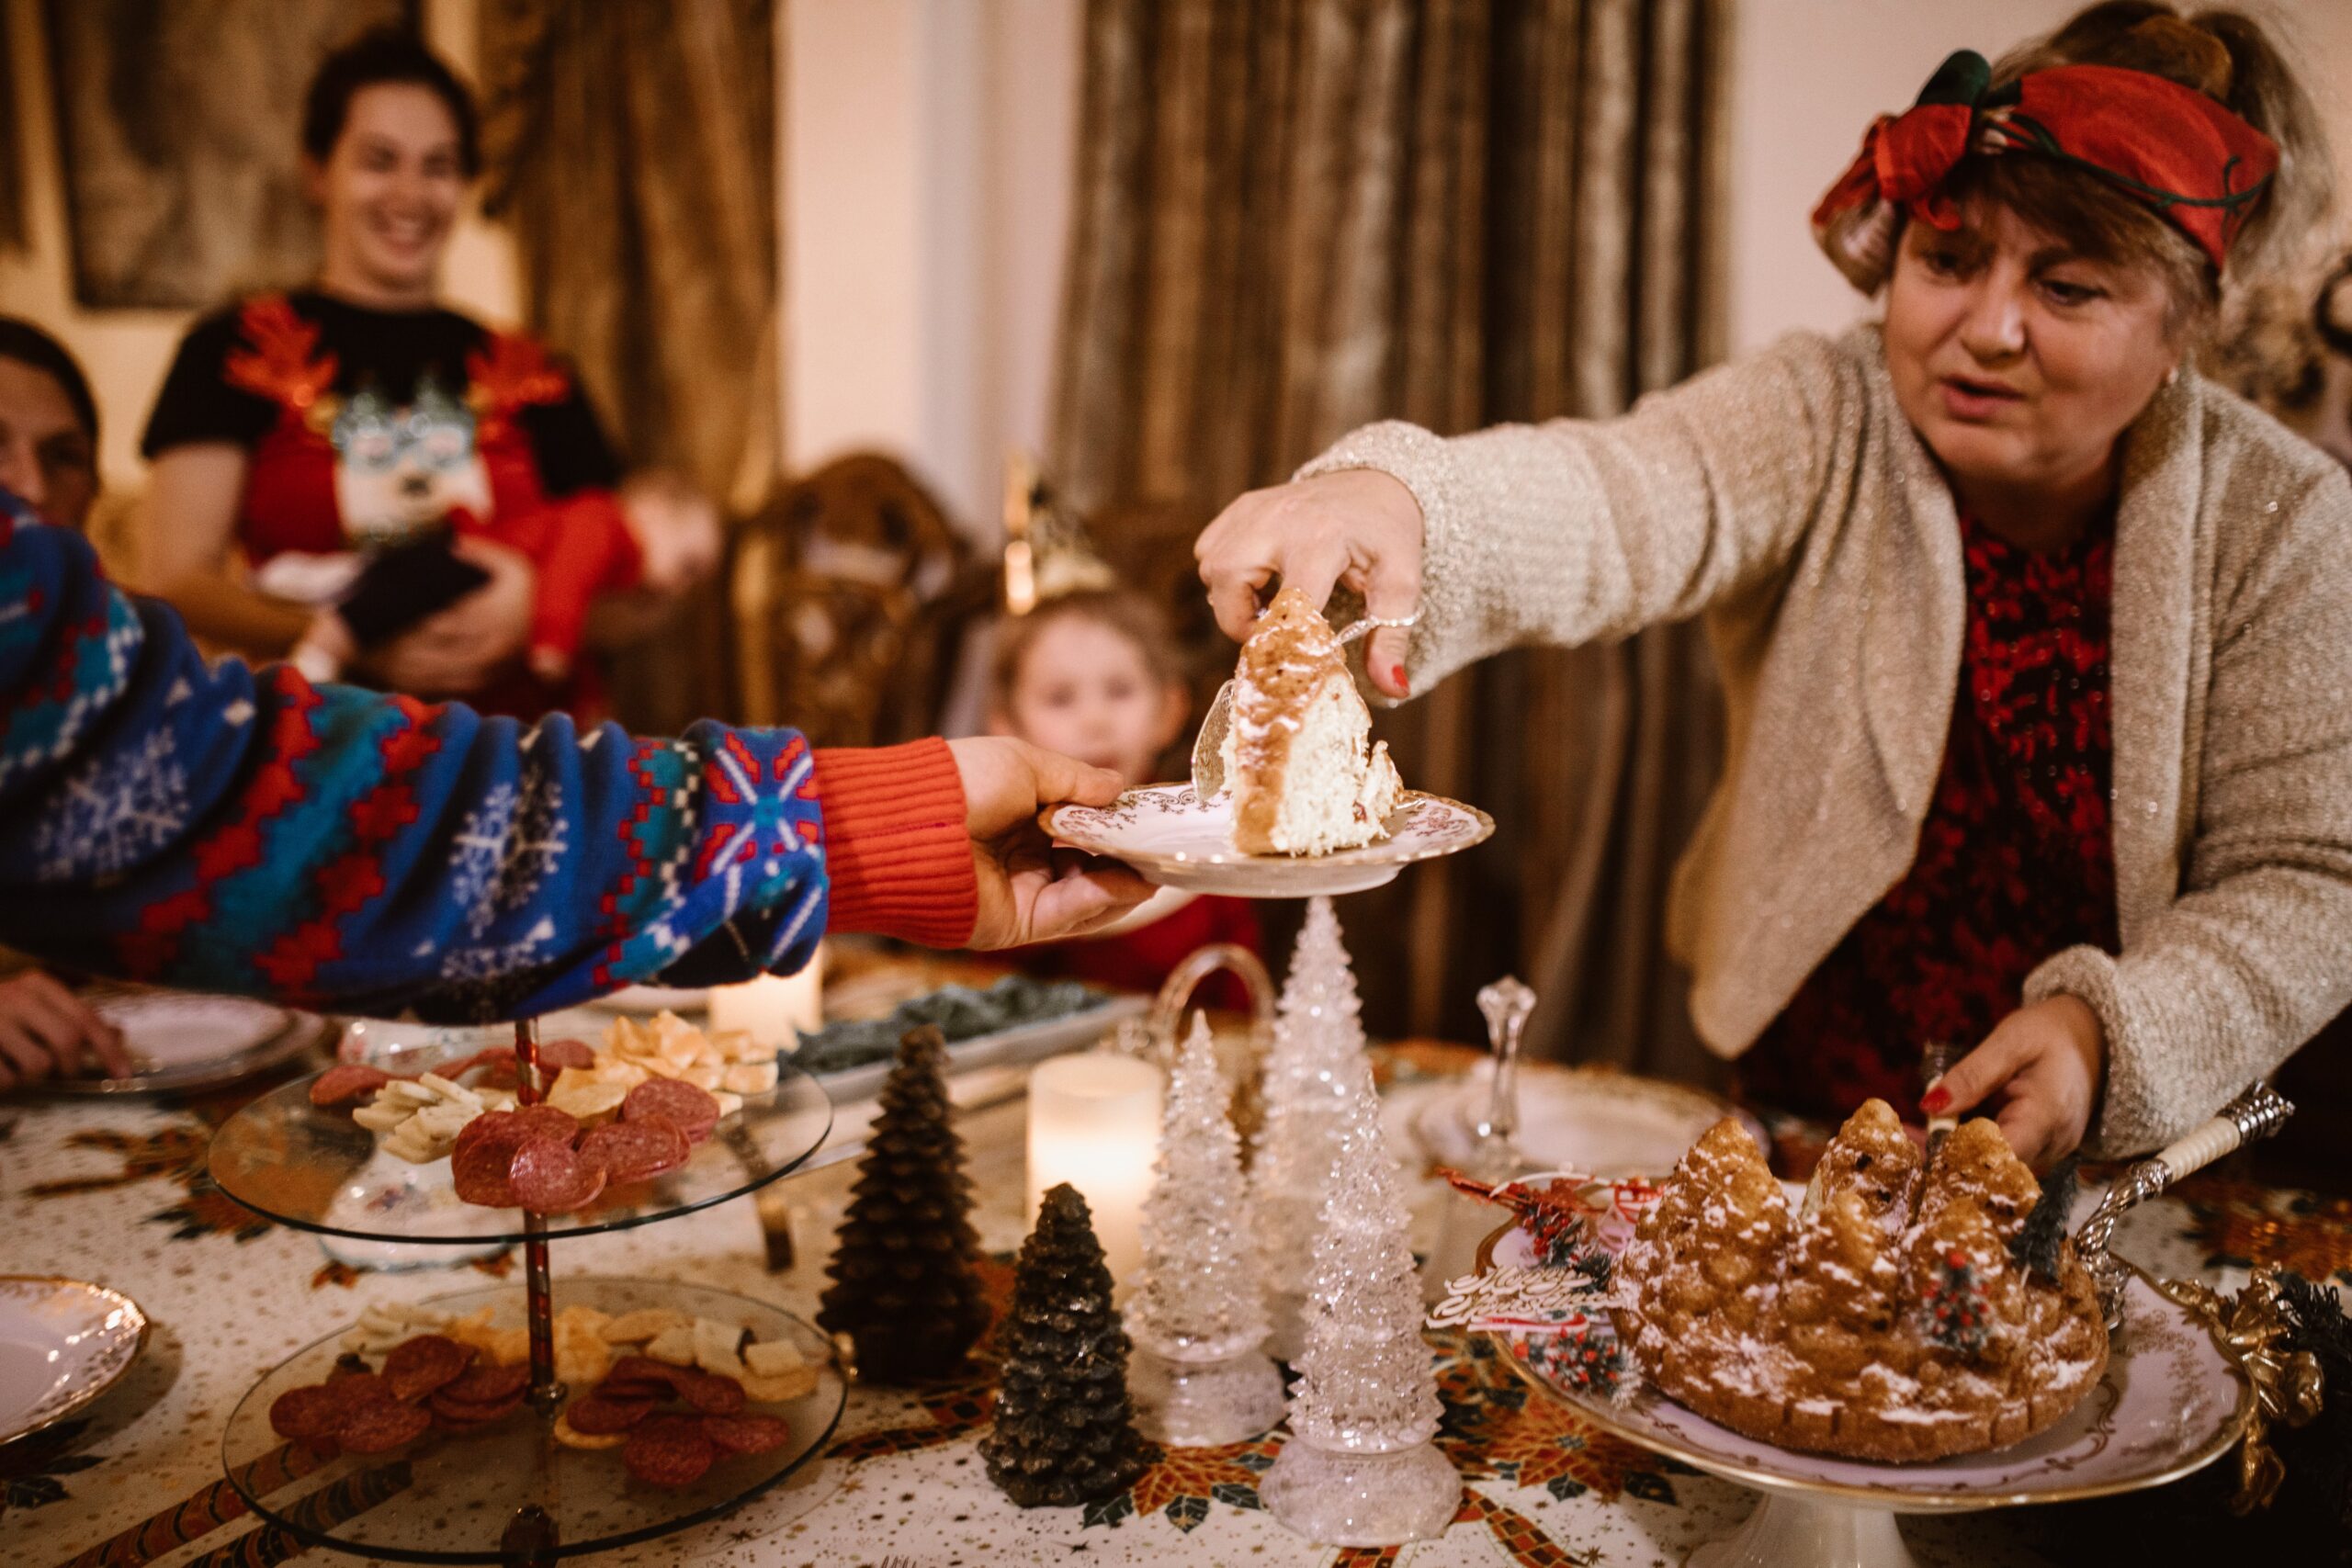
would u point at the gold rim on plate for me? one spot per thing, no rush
(138, 1346)
(1900, 1502)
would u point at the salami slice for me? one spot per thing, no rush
(461, 1415)
(713, 1393)
(306, 1415)
(645, 1369)
(482, 1171)
(381, 1424)
(634, 1390)
(673, 1099)
(669, 1450)
(601, 1413)
(354, 1388)
(418, 1365)
(546, 1121)
(488, 1384)
(549, 1177)
(635, 1151)
(748, 1434)
(557, 1055)
(347, 1084)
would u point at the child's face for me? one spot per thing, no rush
(1085, 689)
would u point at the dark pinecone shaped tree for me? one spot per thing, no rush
(904, 1288)
(1065, 1433)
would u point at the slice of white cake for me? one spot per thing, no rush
(1296, 762)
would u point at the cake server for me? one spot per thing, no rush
(1208, 746)
(2253, 1115)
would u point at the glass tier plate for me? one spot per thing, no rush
(451, 1497)
(317, 1171)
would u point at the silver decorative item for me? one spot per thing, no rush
(2253, 1115)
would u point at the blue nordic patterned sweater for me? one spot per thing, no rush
(241, 830)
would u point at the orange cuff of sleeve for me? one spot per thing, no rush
(896, 847)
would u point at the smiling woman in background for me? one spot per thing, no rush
(2037, 646)
(301, 434)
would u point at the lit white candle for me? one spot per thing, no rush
(1094, 1122)
(774, 1009)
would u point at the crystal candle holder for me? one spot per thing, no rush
(1341, 1498)
(1203, 1403)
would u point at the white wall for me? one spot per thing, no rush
(124, 353)
(925, 168)
(1808, 75)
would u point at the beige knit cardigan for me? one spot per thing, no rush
(1786, 499)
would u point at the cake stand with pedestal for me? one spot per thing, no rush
(509, 1493)
(2172, 1400)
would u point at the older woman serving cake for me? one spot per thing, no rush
(2037, 646)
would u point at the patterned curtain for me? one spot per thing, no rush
(631, 145)
(1295, 216)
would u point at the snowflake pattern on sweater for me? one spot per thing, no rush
(237, 830)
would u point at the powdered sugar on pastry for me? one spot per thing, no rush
(1295, 758)
(1885, 1320)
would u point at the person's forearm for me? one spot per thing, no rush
(231, 616)
(238, 829)
(1581, 529)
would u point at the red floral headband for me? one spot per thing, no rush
(2201, 167)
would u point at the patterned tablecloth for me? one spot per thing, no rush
(116, 1192)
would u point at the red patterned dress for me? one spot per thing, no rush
(2015, 861)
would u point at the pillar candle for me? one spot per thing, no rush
(774, 1009)
(1094, 1122)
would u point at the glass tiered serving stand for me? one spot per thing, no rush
(509, 1493)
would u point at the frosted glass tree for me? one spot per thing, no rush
(1318, 1035)
(1199, 1377)
(1360, 1468)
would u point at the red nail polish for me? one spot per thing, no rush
(1396, 675)
(1934, 1101)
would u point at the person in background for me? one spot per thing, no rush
(236, 829)
(2287, 347)
(300, 438)
(1095, 674)
(49, 457)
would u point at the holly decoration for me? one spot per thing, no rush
(1954, 1306)
(905, 1288)
(1065, 1433)
(1585, 1358)
(1557, 1219)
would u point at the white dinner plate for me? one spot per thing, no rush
(1174, 839)
(186, 1041)
(1603, 1124)
(62, 1342)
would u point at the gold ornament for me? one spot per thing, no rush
(2254, 1328)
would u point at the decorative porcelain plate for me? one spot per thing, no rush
(1570, 1118)
(1172, 837)
(2170, 1403)
(185, 1041)
(62, 1342)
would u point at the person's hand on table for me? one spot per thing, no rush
(457, 650)
(1029, 891)
(47, 1032)
(1357, 526)
(2040, 1070)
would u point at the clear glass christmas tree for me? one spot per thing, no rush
(1199, 1377)
(1318, 1034)
(1360, 1468)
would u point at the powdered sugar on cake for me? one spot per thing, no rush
(1298, 760)
(1884, 1320)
